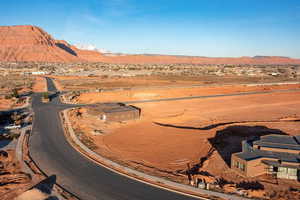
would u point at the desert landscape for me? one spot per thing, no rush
(15, 90)
(31, 44)
(192, 101)
(170, 91)
(164, 141)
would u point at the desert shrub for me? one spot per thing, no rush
(86, 140)
(8, 96)
(15, 93)
(46, 95)
(14, 136)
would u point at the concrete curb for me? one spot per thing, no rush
(24, 166)
(131, 173)
(19, 151)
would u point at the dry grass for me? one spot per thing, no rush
(15, 81)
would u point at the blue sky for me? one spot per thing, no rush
(216, 28)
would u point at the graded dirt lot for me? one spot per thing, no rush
(106, 82)
(200, 132)
(172, 92)
(86, 83)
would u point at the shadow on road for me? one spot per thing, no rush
(46, 186)
(53, 95)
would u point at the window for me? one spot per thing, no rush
(242, 166)
(236, 164)
(282, 169)
(292, 172)
(239, 165)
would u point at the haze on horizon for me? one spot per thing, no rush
(214, 28)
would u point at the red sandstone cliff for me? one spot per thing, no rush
(30, 43)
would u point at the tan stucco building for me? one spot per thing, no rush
(277, 155)
(122, 113)
(114, 112)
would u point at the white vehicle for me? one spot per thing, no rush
(38, 73)
(11, 126)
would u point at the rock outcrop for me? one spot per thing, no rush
(31, 43)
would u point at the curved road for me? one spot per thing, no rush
(87, 180)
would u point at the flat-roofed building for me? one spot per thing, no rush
(115, 112)
(277, 155)
(122, 113)
(97, 109)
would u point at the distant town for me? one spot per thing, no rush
(81, 124)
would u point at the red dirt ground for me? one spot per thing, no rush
(150, 145)
(146, 94)
(40, 84)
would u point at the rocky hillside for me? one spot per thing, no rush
(82, 55)
(31, 43)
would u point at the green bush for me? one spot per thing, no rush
(46, 95)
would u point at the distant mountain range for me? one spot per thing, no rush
(31, 43)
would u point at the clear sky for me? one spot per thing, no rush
(217, 28)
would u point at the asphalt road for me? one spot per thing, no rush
(78, 174)
(87, 180)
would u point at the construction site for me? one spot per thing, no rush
(192, 140)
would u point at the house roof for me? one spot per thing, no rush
(279, 141)
(98, 108)
(119, 109)
(256, 154)
(278, 164)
